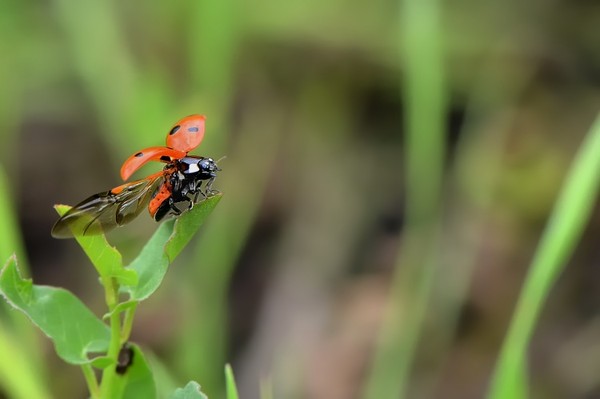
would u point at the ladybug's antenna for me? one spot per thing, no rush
(220, 159)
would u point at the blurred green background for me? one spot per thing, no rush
(362, 137)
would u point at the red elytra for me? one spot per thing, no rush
(137, 160)
(183, 137)
(187, 134)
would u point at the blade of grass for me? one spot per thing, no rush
(25, 340)
(9, 231)
(213, 39)
(571, 211)
(232, 392)
(488, 101)
(413, 279)
(13, 17)
(17, 374)
(108, 80)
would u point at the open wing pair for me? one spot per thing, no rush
(106, 210)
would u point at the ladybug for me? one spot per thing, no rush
(184, 180)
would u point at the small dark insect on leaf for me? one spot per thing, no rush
(125, 359)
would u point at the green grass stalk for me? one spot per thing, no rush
(425, 146)
(571, 212)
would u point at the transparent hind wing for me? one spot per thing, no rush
(104, 211)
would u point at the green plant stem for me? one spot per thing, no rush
(127, 324)
(91, 381)
(111, 289)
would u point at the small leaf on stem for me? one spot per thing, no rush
(191, 391)
(74, 329)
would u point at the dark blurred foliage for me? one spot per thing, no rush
(288, 281)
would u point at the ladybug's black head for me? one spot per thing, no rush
(208, 167)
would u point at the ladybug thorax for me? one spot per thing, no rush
(197, 167)
(189, 166)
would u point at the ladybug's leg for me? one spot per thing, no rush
(173, 207)
(192, 188)
(189, 202)
(198, 194)
(195, 188)
(189, 190)
(208, 190)
(195, 191)
(195, 198)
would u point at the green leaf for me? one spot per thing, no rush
(121, 307)
(151, 264)
(232, 392)
(191, 391)
(102, 362)
(138, 379)
(164, 246)
(74, 329)
(188, 224)
(105, 258)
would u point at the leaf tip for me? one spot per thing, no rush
(61, 209)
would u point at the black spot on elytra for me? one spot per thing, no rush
(165, 158)
(174, 130)
(139, 154)
(193, 129)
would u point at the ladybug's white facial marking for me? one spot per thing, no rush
(193, 168)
